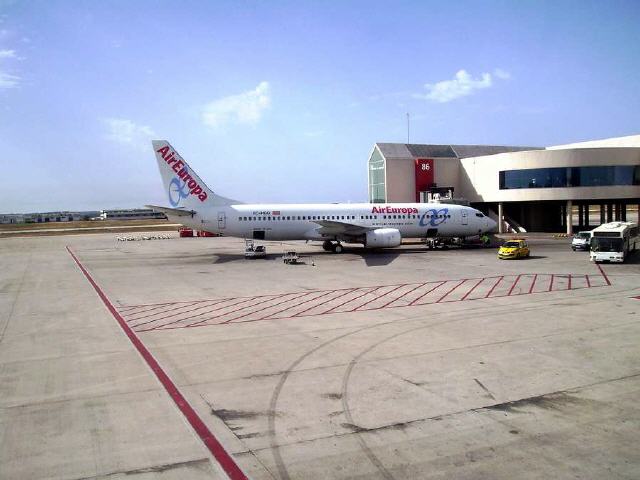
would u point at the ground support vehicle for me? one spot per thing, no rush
(612, 242)
(204, 233)
(254, 251)
(290, 257)
(443, 243)
(581, 241)
(514, 248)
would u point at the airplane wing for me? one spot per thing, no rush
(336, 227)
(179, 212)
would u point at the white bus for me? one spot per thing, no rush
(612, 242)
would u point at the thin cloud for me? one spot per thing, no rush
(8, 80)
(127, 132)
(502, 74)
(244, 108)
(461, 85)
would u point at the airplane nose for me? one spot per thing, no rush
(491, 224)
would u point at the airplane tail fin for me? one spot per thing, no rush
(183, 186)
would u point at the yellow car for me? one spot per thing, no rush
(516, 248)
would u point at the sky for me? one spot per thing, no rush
(283, 101)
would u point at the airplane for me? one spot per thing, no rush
(374, 225)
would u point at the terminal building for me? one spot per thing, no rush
(131, 214)
(47, 217)
(545, 189)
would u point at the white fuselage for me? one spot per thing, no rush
(300, 221)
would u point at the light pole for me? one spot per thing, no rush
(408, 127)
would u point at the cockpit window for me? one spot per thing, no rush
(480, 215)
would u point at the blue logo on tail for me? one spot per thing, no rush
(179, 188)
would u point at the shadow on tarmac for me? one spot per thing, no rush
(382, 257)
(371, 257)
(233, 257)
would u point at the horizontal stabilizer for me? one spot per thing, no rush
(179, 212)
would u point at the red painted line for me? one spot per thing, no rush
(222, 308)
(551, 282)
(244, 300)
(192, 310)
(225, 460)
(533, 284)
(404, 294)
(494, 287)
(425, 294)
(166, 304)
(472, 289)
(569, 283)
(606, 279)
(162, 305)
(352, 299)
(265, 308)
(142, 305)
(376, 299)
(128, 308)
(440, 299)
(341, 312)
(272, 316)
(327, 301)
(514, 284)
(588, 281)
(174, 309)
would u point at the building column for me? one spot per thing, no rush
(623, 212)
(569, 221)
(638, 214)
(500, 217)
(580, 215)
(609, 212)
(588, 215)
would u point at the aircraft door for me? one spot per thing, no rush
(222, 221)
(465, 220)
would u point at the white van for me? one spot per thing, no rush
(581, 240)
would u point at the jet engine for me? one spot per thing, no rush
(382, 238)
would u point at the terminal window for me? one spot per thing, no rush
(376, 178)
(564, 177)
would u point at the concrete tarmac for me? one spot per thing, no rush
(405, 363)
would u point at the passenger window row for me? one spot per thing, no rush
(338, 217)
(304, 217)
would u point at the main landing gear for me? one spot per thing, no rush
(335, 247)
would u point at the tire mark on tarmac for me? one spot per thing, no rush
(282, 468)
(273, 403)
(275, 448)
(27, 268)
(345, 396)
